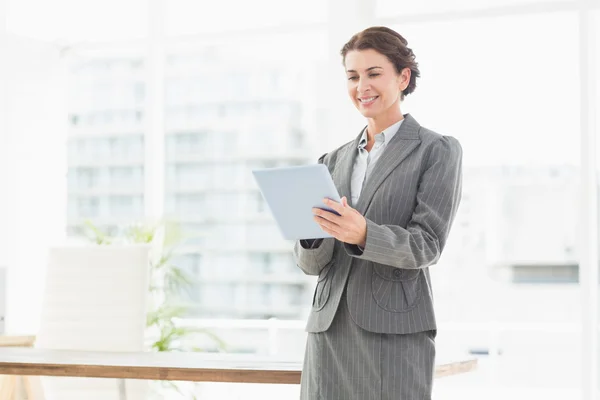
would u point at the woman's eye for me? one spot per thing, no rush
(373, 75)
(352, 78)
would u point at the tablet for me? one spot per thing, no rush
(292, 192)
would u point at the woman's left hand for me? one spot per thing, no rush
(349, 227)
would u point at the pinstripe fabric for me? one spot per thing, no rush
(347, 362)
(409, 202)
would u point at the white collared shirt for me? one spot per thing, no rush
(365, 160)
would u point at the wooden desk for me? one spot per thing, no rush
(199, 367)
(9, 384)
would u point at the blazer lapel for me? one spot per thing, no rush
(402, 144)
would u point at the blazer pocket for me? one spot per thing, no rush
(396, 289)
(323, 288)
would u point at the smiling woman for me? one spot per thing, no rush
(372, 327)
(370, 78)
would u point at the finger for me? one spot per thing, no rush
(322, 220)
(331, 232)
(344, 201)
(326, 215)
(335, 206)
(327, 222)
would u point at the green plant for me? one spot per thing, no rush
(171, 334)
(167, 282)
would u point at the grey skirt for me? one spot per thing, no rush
(347, 362)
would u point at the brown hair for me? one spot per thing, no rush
(392, 45)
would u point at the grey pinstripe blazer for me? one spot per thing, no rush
(409, 202)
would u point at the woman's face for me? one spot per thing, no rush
(373, 84)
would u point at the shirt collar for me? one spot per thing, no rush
(388, 133)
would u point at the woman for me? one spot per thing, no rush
(372, 325)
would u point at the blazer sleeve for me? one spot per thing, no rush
(312, 255)
(420, 244)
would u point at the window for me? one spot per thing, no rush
(88, 207)
(514, 198)
(126, 206)
(126, 148)
(190, 263)
(259, 296)
(221, 116)
(195, 234)
(218, 296)
(229, 176)
(126, 177)
(190, 205)
(189, 176)
(296, 295)
(85, 178)
(188, 143)
(226, 205)
(261, 263)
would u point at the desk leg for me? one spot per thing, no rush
(34, 388)
(122, 389)
(8, 386)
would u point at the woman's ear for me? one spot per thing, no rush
(404, 78)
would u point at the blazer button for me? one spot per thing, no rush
(397, 273)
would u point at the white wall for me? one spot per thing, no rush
(3, 136)
(34, 182)
(3, 164)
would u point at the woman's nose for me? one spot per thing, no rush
(363, 86)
